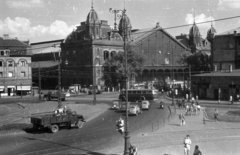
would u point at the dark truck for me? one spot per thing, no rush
(53, 95)
(53, 121)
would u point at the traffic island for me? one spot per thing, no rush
(225, 115)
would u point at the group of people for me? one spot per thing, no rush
(187, 146)
(61, 110)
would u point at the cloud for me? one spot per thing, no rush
(25, 4)
(22, 28)
(203, 28)
(228, 4)
(198, 19)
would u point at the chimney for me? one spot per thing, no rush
(230, 68)
(215, 68)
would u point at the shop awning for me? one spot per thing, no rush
(23, 87)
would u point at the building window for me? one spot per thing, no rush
(23, 63)
(2, 53)
(1, 63)
(23, 74)
(74, 52)
(10, 74)
(1, 74)
(10, 63)
(106, 55)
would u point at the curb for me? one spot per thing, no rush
(13, 132)
(20, 105)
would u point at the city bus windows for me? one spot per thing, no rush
(144, 92)
(139, 92)
(149, 92)
(134, 92)
(130, 92)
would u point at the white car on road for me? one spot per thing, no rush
(146, 104)
(134, 110)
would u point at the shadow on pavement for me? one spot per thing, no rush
(65, 146)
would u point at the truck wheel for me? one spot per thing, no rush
(54, 128)
(79, 124)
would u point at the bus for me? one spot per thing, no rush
(140, 94)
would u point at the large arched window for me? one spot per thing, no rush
(113, 53)
(106, 55)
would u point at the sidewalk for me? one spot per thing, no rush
(218, 138)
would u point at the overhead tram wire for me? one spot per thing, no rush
(167, 28)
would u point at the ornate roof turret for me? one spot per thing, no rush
(125, 26)
(194, 31)
(92, 17)
(211, 33)
(194, 36)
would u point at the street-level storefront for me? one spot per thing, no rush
(23, 90)
(216, 85)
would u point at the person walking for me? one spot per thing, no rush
(182, 119)
(216, 115)
(197, 151)
(187, 145)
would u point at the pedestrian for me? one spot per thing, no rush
(231, 99)
(197, 151)
(182, 119)
(216, 115)
(187, 145)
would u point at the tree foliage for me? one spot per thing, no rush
(114, 68)
(199, 62)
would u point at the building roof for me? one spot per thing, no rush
(46, 46)
(140, 34)
(220, 74)
(12, 42)
(230, 32)
(44, 64)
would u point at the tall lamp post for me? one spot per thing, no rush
(94, 80)
(121, 13)
(59, 78)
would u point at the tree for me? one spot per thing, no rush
(114, 68)
(200, 62)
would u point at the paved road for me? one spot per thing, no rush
(96, 135)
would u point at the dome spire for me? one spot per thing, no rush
(193, 10)
(92, 4)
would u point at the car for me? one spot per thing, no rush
(146, 104)
(54, 95)
(67, 94)
(134, 110)
(116, 104)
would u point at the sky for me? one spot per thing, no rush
(46, 20)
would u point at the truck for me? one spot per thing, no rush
(53, 95)
(53, 121)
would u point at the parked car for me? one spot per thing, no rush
(98, 90)
(134, 110)
(116, 104)
(146, 104)
(53, 95)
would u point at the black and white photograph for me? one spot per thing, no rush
(119, 77)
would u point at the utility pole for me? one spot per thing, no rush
(39, 81)
(127, 133)
(94, 82)
(59, 83)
